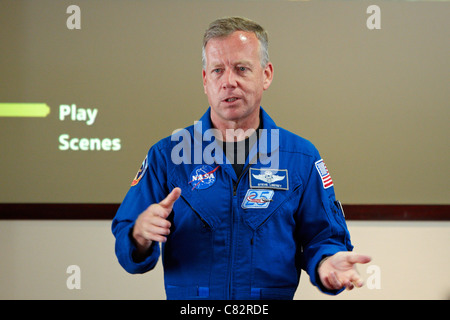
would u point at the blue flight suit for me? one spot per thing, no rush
(232, 237)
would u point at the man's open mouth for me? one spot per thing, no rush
(232, 99)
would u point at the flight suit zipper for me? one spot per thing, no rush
(233, 233)
(239, 178)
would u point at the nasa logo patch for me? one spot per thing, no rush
(203, 177)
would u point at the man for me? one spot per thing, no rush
(236, 230)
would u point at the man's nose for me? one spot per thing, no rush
(229, 79)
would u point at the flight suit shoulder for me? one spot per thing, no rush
(293, 143)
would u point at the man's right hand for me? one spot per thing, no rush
(152, 224)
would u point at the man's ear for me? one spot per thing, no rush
(268, 75)
(204, 80)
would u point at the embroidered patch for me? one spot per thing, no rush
(203, 177)
(269, 178)
(140, 173)
(257, 199)
(324, 174)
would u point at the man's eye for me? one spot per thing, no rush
(218, 70)
(242, 69)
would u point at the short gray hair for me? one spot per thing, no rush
(223, 27)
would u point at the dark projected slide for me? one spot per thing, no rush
(88, 86)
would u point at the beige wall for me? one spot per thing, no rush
(412, 257)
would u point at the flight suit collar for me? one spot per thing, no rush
(263, 151)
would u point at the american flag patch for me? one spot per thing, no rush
(324, 174)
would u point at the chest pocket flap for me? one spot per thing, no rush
(205, 203)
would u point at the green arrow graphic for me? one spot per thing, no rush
(24, 110)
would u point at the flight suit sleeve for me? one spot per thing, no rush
(147, 188)
(323, 231)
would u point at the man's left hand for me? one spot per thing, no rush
(339, 270)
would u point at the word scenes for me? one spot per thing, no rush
(87, 116)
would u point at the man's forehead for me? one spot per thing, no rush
(241, 36)
(246, 42)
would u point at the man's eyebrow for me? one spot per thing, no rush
(244, 62)
(217, 65)
(236, 63)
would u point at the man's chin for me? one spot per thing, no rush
(231, 112)
(235, 113)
